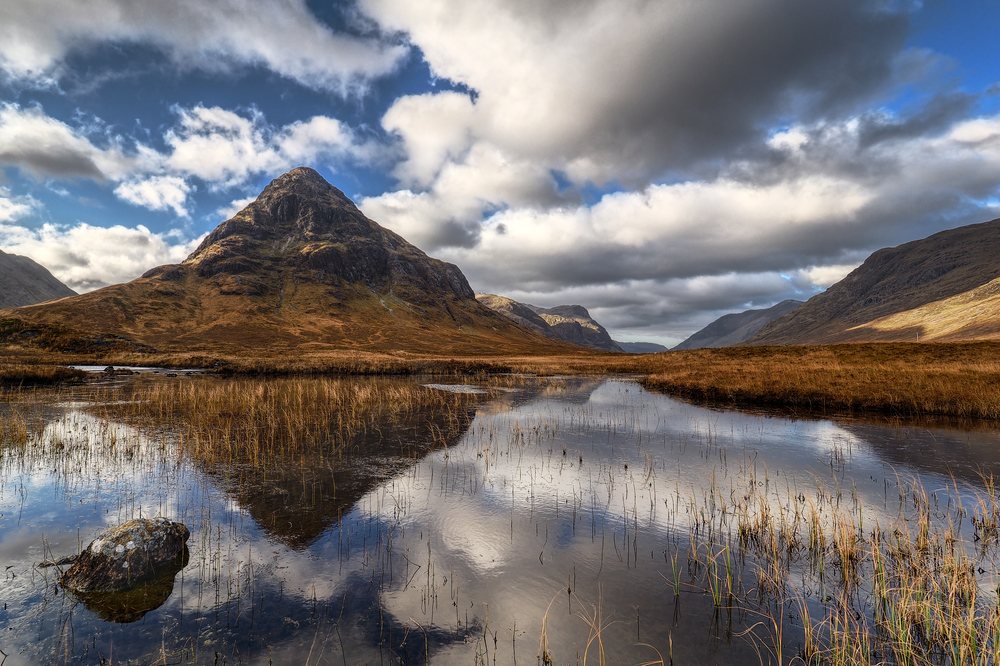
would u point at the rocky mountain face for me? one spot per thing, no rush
(943, 287)
(732, 329)
(299, 268)
(25, 282)
(569, 323)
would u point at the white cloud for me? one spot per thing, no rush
(225, 148)
(36, 36)
(825, 276)
(156, 193)
(235, 206)
(44, 146)
(221, 147)
(14, 208)
(86, 257)
(434, 128)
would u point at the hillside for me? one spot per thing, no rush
(641, 347)
(732, 329)
(25, 282)
(300, 268)
(943, 287)
(569, 323)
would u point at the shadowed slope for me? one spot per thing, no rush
(732, 329)
(25, 282)
(939, 288)
(299, 268)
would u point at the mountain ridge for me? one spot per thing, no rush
(299, 268)
(734, 328)
(935, 288)
(569, 323)
(26, 282)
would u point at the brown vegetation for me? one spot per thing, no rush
(247, 421)
(954, 379)
(904, 379)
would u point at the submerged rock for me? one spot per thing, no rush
(124, 555)
(132, 604)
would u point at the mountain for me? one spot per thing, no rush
(24, 282)
(569, 323)
(641, 347)
(943, 287)
(300, 268)
(732, 329)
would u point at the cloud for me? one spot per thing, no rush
(225, 148)
(14, 208)
(156, 193)
(36, 36)
(46, 147)
(220, 147)
(627, 92)
(86, 257)
(786, 225)
(235, 206)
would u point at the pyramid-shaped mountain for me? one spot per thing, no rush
(300, 268)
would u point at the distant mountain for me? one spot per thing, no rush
(944, 287)
(299, 268)
(732, 329)
(641, 347)
(25, 282)
(570, 323)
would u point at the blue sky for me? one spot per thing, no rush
(659, 162)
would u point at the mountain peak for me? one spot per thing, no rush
(297, 207)
(304, 182)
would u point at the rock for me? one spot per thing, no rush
(132, 604)
(126, 554)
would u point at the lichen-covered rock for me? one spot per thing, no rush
(125, 554)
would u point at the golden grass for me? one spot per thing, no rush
(903, 379)
(248, 421)
(36, 374)
(953, 379)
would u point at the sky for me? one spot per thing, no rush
(661, 162)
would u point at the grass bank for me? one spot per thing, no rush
(905, 379)
(959, 380)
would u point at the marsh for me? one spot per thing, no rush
(501, 519)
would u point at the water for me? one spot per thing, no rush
(555, 521)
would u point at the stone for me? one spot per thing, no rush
(124, 555)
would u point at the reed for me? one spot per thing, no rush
(246, 421)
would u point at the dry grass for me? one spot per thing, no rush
(248, 421)
(903, 379)
(954, 379)
(13, 374)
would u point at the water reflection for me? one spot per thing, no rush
(295, 499)
(553, 517)
(132, 605)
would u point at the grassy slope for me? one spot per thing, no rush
(900, 293)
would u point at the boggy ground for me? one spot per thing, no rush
(905, 379)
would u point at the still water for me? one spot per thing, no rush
(563, 519)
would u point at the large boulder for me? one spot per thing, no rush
(126, 554)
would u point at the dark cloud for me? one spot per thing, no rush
(719, 86)
(932, 118)
(50, 161)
